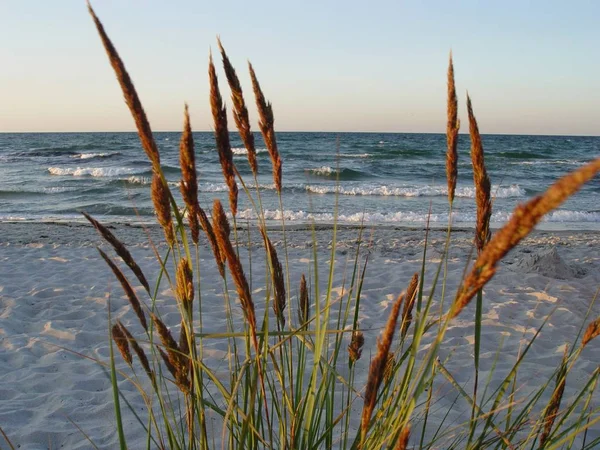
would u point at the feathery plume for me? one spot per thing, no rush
(402, 443)
(378, 364)
(160, 199)
(131, 97)
(189, 179)
(221, 225)
(592, 331)
(177, 361)
(409, 303)
(185, 285)
(482, 183)
(240, 112)
(139, 351)
(279, 302)
(304, 302)
(121, 341)
(210, 234)
(131, 296)
(219, 113)
(388, 370)
(452, 134)
(554, 404)
(267, 128)
(356, 345)
(120, 249)
(524, 218)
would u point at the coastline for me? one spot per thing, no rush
(55, 293)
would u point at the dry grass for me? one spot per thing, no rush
(266, 124)
(240, 112)
(525, 217)
(378, 365)
(219, 113)
(189, 180)
(483, 187)
(162, 206)
(452, 128)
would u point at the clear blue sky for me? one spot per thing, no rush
(530, 67)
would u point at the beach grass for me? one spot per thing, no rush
(297, 354)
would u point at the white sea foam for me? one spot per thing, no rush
(93, 171)
(353, 155)
(92, 155)
(239, 151)
(323, 170)
(412, 217)
(560, 162)
(513, 190)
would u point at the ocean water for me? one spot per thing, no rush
(375, 178)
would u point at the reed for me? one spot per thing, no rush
(162, 207)
(139, 351)
(120, 249)
(313, 397)
(356, 344)
(266, 124)
(279, 302)
(483, 186)
(557, 395)
(240, 112)
(409, 304)
(378, 365)
(129, 93)
(131, 295)
(525, 217)
(221, 226)
(189, 180)
(122, 343)
(219, 113)
(452, 127)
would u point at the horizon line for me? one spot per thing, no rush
(301, 131)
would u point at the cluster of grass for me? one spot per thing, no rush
(291, 379)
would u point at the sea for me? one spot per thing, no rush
(393, 179)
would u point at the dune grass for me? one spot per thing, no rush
(292, 380)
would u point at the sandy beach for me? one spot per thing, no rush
(55, 291)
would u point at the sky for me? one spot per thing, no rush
(530, 67)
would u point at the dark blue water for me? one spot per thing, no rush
(383, 177)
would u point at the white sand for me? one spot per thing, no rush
(54, 293)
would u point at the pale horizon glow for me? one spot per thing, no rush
(529, 67)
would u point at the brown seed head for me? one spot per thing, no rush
(131, 97)
(356, 345)
(139, 351)
(279, 302)
(304, 302)
(402, 443)
(121, 341)
(131, 296)
(452, 134)
(240, 112)
(592, 331)
(409, 303)
(177, 361)
(219, 113)
(266, 124)
(120, 249)
(189, 180)
(554, 404)
(160, 198)
(220, 225)
(185, 285)
(378, 364)
(525, 217)
(210, 234)
(482, 183)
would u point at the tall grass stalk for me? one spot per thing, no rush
(299, 382)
